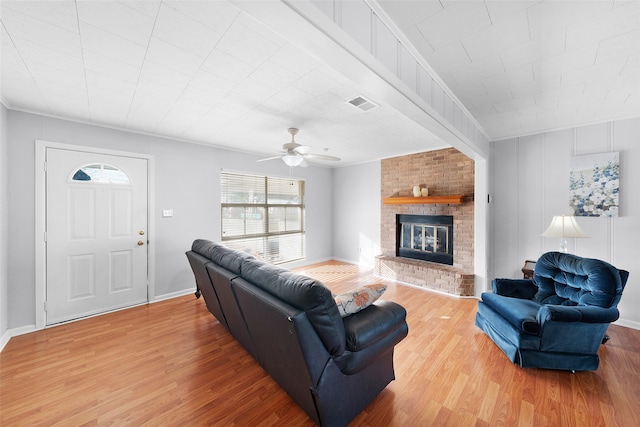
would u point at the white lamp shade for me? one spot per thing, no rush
(292, 160)
(564, 226)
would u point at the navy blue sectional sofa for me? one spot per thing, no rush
(332, 366)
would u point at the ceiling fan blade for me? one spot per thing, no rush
(321, 157)
(291, 146)
(269, 158)
(302, 149)
(294, 154)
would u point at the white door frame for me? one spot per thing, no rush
(41, 219)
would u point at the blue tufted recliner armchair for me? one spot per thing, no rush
(557, 320)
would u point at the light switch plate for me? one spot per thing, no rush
(167, 213)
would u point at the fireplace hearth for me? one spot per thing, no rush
(425, 237)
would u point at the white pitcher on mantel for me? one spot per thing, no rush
(416, 191)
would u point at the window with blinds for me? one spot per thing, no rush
(264, 216)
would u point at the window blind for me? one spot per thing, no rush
(264, 216)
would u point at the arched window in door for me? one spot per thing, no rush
(100, 173)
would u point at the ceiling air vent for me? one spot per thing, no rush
(362, 103)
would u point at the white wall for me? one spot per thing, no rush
(4, 226)
(186, 180)
(530, 181)
(356, 213)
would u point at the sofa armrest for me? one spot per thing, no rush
(371, 333)
(370, 325)
(586, 314)
(515, 288)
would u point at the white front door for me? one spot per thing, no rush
(96, 233)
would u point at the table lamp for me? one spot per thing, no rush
(564, 226)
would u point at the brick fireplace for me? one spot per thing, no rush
(445, 172)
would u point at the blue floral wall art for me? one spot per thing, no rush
(594, 184)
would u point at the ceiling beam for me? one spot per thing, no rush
(304, 25)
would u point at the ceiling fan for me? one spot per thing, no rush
(294, 154)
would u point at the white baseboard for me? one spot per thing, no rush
(303, 263)
(4, 340)
(423, 288)
(627, 323)
(354, 262)
(10, 333)
(172, 295)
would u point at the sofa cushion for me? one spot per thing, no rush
(521, 313)
(305, 294)
(228, 258)
(566, 279)
(515, 288)
(358, 299)
(509, 338)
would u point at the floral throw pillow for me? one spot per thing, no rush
(358, 299)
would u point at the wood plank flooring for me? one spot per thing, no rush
(172, 364)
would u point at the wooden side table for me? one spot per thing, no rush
(527, 269)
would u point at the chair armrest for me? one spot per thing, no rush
(586, 314)
(515, 288)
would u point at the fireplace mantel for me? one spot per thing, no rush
(456, 199)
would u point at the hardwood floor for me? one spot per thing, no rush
(172, 364)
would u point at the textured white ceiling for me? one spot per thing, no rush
(523, 67)
(207, 72)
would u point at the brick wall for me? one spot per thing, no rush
(444, 172)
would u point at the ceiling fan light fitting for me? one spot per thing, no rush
(292, 160)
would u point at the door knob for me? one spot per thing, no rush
(140, 242)
(141, 233)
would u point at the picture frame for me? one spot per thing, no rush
(594, 184)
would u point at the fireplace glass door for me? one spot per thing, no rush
(425, 237)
